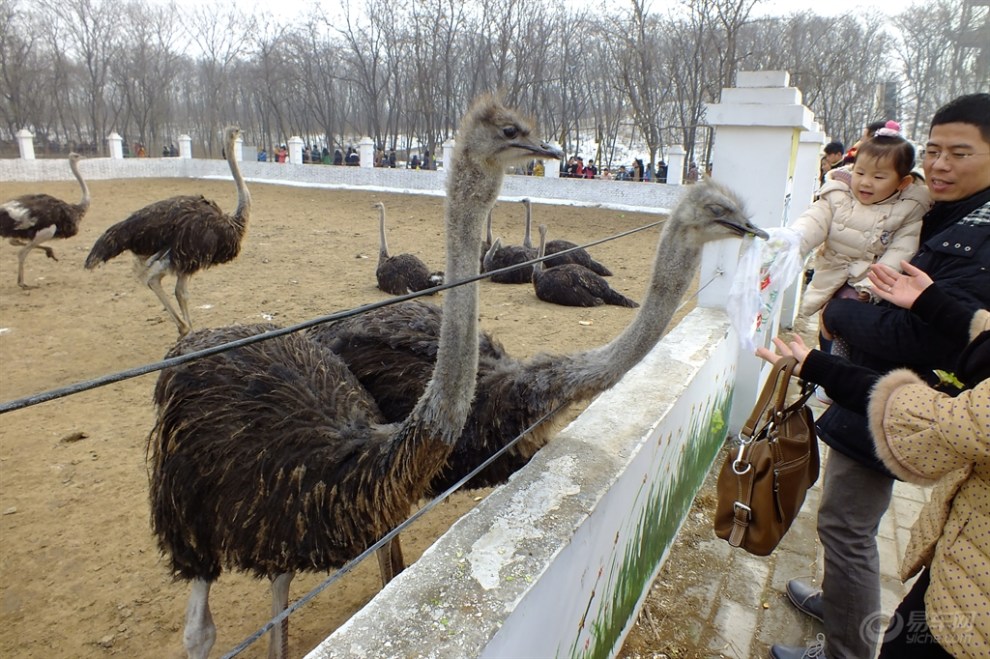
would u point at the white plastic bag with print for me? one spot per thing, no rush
(766, 269)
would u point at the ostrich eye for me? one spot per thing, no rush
(510, 131)
(716, 210)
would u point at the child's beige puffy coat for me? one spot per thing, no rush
(851, 236)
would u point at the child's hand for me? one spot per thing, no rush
(796, 348)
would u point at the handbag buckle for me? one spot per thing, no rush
(739, 504)
(736, 469)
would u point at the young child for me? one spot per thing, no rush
(875, 218)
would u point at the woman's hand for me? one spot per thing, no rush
(796, 348)
(900, 289)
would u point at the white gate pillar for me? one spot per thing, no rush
(448, 153)
(116, 143)
(551, 167)
(239, 148)
(295, 150)
(757, 126)
(185, 146)
(675, 164)
(366, 152)
(25, 143)
(802, 193)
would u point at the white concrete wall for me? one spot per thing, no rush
(557, 561)
(591, 192)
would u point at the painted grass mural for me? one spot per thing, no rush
(662, 508)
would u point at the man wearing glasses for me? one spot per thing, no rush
(856, 491)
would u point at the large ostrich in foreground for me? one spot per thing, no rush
(273, 459)
(576, 254)
(573, 285)
(181, 235)
(33, 219)
(390, 350)
(402, 273)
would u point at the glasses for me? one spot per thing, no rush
(932, 155)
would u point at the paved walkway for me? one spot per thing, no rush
(749, 611)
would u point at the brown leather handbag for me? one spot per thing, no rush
(762, 486)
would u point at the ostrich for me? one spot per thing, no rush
(402, 273)
(37, 218)
(573, 285)
(498, 256)
(273, 459)
(181, 235)
(577, 254)
(390, 350)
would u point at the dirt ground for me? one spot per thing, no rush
(81, 576)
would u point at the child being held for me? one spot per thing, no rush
(875, 218)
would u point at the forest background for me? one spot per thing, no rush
(633, 75)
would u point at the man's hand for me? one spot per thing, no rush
(897, 288)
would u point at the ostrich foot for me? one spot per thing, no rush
(50, 253)
(26, 287)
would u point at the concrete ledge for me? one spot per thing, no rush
(557, 561)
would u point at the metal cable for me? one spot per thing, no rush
(86, 385)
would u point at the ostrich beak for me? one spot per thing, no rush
(541, 150)
(745, 228)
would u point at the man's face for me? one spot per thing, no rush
(957, 162)
(832, 158)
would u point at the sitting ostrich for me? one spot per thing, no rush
(391, 351)
(402, 273)
(573, 285)
(273, 459)
(576, 254)
(181, 235)
(499, 256)
(33, 219)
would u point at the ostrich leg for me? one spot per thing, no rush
(153, 272)
(390, 561)
(40, 237)
(182, 297)
(200, 632)
(278, 646)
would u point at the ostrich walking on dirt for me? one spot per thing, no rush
(573, 285)
(402, 273)
(273, 459)
(576, 254)
(33, 219)
(181, 235)
(388, 348)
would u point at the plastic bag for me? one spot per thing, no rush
(766, 268)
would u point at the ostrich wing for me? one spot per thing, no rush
(577, 286)
(192, 228)
(24, 216)
(392, 351)
(223, 427)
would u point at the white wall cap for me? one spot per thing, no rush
(763, 79)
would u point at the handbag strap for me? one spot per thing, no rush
(774, 392)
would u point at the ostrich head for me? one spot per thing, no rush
(711, 211)
(490, 138)
(230, 135)
(74, 158)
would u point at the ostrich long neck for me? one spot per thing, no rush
(383, 249)
(243, 211)
(84, 202)
(597, 369)
(443, 408)
(528, 235)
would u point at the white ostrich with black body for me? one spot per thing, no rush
(33, 219)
